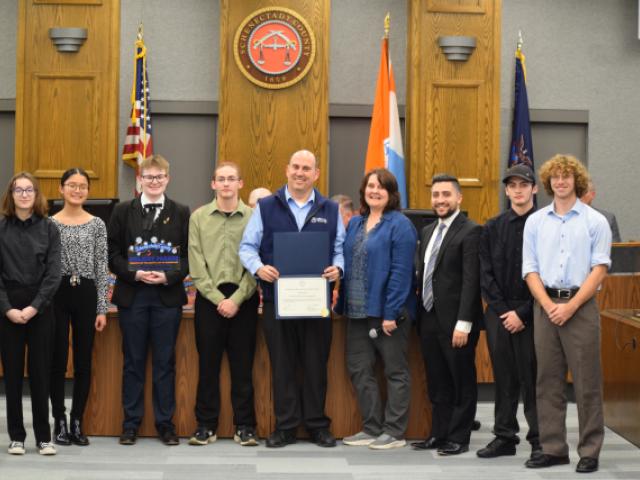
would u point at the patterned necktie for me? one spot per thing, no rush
(427, 289)
(150, 210)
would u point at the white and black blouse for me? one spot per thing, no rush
(84, 254)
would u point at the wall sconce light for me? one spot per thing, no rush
(68, 39)
(457, 48)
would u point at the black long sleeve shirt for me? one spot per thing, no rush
(500, 252)
(29, 257)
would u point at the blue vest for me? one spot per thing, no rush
(277, 217)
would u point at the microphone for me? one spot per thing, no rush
(376, 332)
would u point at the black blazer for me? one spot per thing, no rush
(125, 225)
(456, 275)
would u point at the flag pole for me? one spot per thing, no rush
(387, 25)
(520, 41)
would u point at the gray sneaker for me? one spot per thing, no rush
(359, 439)
(386, 442)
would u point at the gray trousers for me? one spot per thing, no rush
(576, 344)
(361, 361)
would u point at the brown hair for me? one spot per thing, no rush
(563, 164)
(388, 182)
(233, 165)
(40, 206)
(157, 161)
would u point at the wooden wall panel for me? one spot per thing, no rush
(453, 107)
(621, 385)
(104, 415)
(260, 128)
(67, 103)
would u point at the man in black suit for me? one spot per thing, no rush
(149, 302)
(450, 314)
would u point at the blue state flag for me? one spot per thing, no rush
(521, 150)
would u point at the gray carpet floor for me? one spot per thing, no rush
(149, 459)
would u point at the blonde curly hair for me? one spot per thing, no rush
(562, 164)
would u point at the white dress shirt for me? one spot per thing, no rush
(461, 325)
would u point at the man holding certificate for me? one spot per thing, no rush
(293, 244)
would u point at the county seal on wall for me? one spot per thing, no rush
(274, 47)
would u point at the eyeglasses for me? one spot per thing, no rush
(226, 179)
(24, 191)
(83, 187)
(151, 178)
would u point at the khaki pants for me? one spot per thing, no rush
(577, 345)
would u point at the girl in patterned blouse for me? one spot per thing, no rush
(81, 301)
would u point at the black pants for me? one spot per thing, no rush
(36, 334)
(149, 321)
(214, 335)
(451, 381)
(75, 306)
(298, 347)
(514, 369)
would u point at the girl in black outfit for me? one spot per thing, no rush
(29, 277)
(80, 301)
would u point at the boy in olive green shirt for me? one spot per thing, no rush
(225, 308)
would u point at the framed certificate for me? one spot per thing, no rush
(302, 296)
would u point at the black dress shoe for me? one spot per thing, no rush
(544, 460)
(453, 448)
(323, 438)
(498, 447)
(75, 434)
(587, 465)
(169, 437)
(430, 443)
(475, 426)
(61, 432)
(280, 438)
(128, 437)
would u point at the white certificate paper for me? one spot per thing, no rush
(302, 297)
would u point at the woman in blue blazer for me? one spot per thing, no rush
(376, 297)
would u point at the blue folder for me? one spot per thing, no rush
(297, 254)
(301, 253)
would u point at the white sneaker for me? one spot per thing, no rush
(360, 439)
(46, 448)
(16, 448)
(386, 442)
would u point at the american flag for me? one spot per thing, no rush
(138, 144)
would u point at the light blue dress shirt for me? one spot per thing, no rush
(252, 237)
(564, 249)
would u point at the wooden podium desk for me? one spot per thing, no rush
(104, 414)
(620, 364)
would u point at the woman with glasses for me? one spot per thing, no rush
(29, 278)
(81, 300)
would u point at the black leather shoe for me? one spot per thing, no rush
(323, 438)
(61, 432)
(280, 438)
(587, 465)
(453, 448)
(128, 437)
(169, 437)
(498, 447)
(430, 443)
(75, 434)
(475, 426)
(544, 460)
